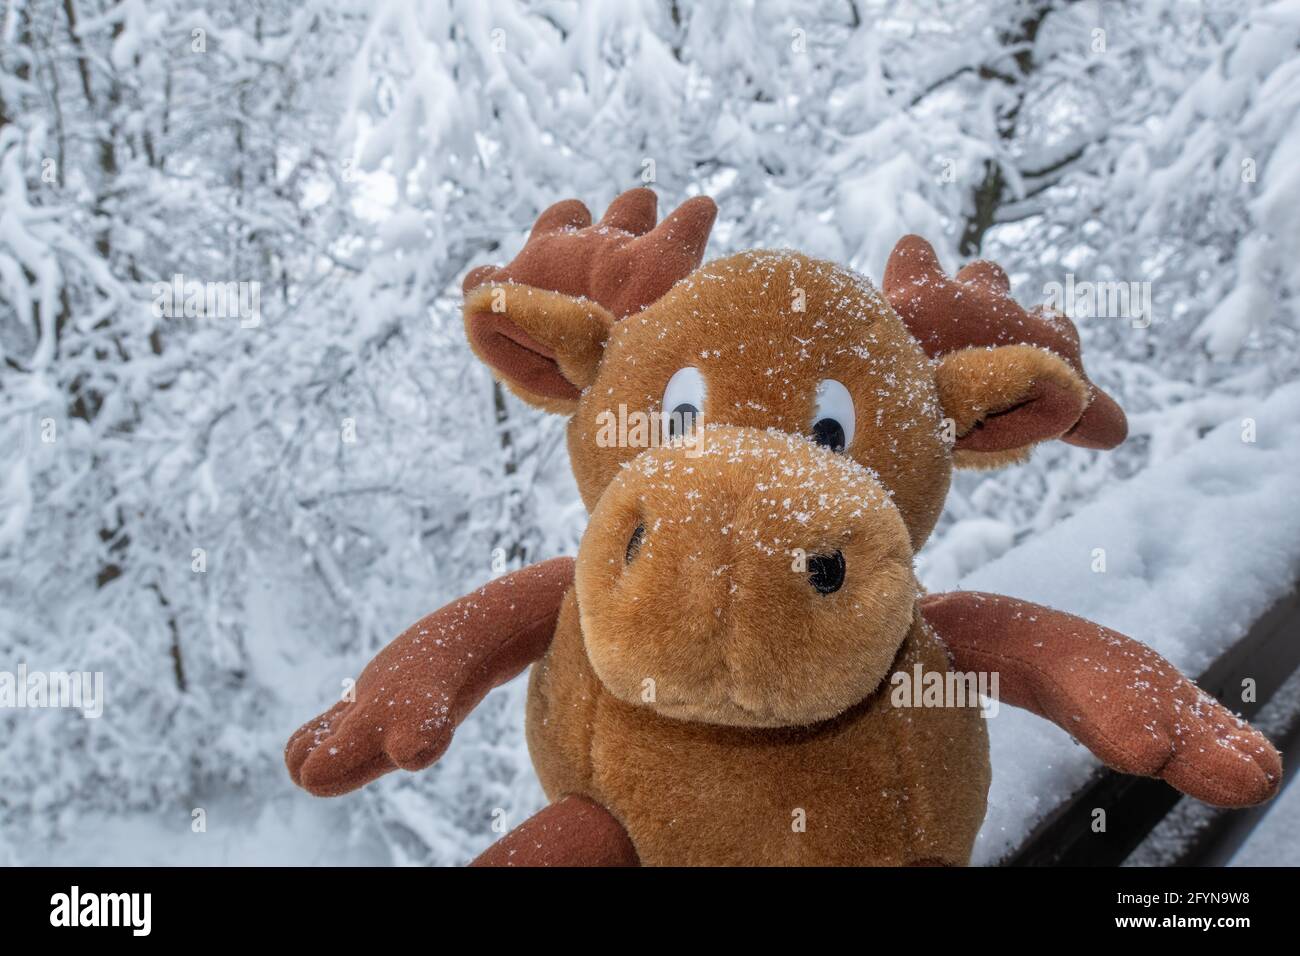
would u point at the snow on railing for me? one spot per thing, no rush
(1185, 557)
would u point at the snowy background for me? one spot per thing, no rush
(181, 506)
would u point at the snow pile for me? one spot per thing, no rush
(1194, 549)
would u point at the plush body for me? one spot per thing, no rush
(713, 674)
(877, 785)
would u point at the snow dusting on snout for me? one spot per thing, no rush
(795, 491)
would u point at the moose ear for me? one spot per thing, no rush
(545, 346)
(975, 307)
(1005, 400)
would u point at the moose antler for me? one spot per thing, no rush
(624, 262)
(975, 308)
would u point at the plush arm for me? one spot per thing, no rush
(573, 831)
(1120, 699)
(410, 698)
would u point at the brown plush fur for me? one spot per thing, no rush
(1083, 676)
(528, 334)
(778, 323)
(766, 693)
(698, 687)
(721, 708)
(409, 699)
(753, 676)
(1004, 401)
(547, 838)
(775, 324)
(716, 607)
(975, 308)
(878, 785)
(624, 262)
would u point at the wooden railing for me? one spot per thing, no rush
(1268, 654)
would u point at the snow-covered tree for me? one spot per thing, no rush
(228, 510)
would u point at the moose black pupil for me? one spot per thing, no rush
(682, 419)
(826, 572)
(634, 543)
(830, 433)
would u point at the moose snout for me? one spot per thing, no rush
(825, 571)
(751, 578)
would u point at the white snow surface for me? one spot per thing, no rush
(1196, 548)
(1276, 840)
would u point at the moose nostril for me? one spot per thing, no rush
(826, 572)
(634, 543)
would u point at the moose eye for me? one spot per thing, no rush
(834, 419)
(683, 400)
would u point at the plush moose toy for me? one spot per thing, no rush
(711, 680)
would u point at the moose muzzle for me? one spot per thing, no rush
(749, 578)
